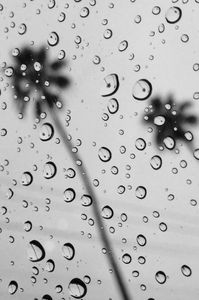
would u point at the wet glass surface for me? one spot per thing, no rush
(99, 139)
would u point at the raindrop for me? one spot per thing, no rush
(68, 251)
(140, 192)
(156, 162)
(61, 17)
(36, 251)
(22, 29)
(69, 195)
(110, 85)
(9, 71)
(160, 277)
(77, 288)
(86, 200)
(27, 226)
(51, 3)
(53, 39)
(140, 144)
(169, 142)
(108, 34)
(113, 106)
(61, 54)
(141, 240)
(123, 45)
(47, 297)
(49, 170)
(186, 270)
(84, 12)
(46, 132)
(104, 154)
(26, 178)
(50, 265)
(159, 120)
(12, 287)
(107, 212)
(196, 153)
(173, 14)
(163, 226)
(142, 89)
(126, 258)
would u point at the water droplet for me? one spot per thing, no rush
(173, 14)
(69, 195)
(53, 39)
(104, 154)
(61, 17)
(27, 226)
(140, 192)
(50, 265)
(68, 251)
(61, 54)
(110, 85)
(113, 106)
(49, 170)
(163, 226)
(12, 287)
(160, 277)
(142, 89)
(77, 288)
(186, 270)
(140, 144)
(123, 45)
(141, 240)
(196, 153)
(107, 212)
(22, 29)
(36, 251)
(9, 71)
(86, 200)
(84, 12)
(169, 142)
(156, 10)
(51, 3)
(126, 258)
(156, 162)
(26, 178)
(108, 34)
(159, 120)
(46, 132)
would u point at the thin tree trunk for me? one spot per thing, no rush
(100, 224)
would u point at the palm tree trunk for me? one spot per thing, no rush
(100, 224)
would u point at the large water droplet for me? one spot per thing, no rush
(86, 200)
(77, 288)
(46, 132)
(12, 287)
(186, 270)
(53, 39)
(156, 162)
(140, 192)
(104, 154)
(141, 240)
(26, 178)
(50, 265)
(84, 12)
(169, 142)
(68, 251)
(107, 212)
(69, 195)
(173, 14)
(160, 277)
(36, 251)
(49, 170)
(142, 89)
(110, 85)
(113, 106)
(140, 144)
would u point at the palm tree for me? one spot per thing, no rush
(169, 119)
(33, 71)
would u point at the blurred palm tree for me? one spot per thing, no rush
(170, 121)
(35, 77)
